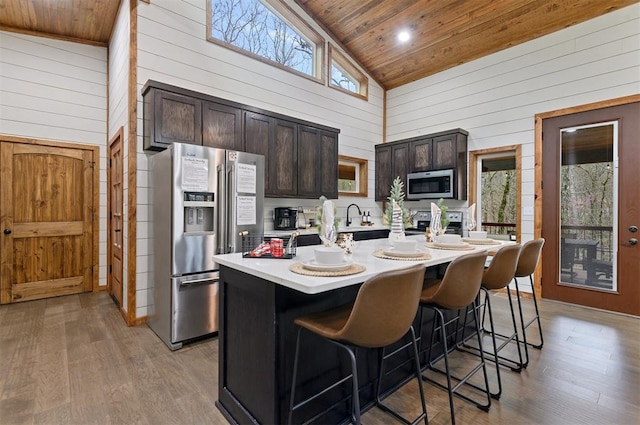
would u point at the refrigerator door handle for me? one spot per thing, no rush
(199, 281)
(222, 210)
(231, 215)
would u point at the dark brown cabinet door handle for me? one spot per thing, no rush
(7, 231)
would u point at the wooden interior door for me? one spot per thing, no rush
(624, 296)
(115, 226)
(46, 215)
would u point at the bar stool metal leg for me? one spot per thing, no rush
(524, 325)
(355, 402)
(423, 415)
(440, 325)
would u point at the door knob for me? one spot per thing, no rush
(633, 241)
(633, 229)
(7, 231)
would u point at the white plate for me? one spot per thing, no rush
(315, 266)
(392, 252)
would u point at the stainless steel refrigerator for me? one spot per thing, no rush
(201, 198)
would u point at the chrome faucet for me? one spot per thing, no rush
(359, 212)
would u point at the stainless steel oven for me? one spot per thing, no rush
(430, 185)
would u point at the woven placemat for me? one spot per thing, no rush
(352, 269)
(481, 241)
(462, 248)
(380, 254)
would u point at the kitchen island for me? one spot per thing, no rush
(259, 299)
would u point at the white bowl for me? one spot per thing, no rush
(405, 245)
(477, 234)
(452, 239)
(329, 255)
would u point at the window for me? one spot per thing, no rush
(498, 195)
(345, 76)
(352, 176)
(267, 30)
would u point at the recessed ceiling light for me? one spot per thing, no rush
(404, 36)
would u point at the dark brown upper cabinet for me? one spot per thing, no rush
(301, 158)
(383, 172)
(301, 161)
(329, 174)
(221, 126)
(171, 118)
(438, 151)
(283, 160)
(276, 140)
(317, 163)
(421, 155)
(392, 160)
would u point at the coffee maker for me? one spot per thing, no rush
(285, 218)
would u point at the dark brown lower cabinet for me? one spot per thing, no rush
(257, 341)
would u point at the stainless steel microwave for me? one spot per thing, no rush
(430, 184)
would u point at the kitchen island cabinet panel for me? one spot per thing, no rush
(258, 338)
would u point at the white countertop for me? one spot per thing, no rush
(277, 270)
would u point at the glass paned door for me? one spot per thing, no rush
(590, 193)
(588, 206)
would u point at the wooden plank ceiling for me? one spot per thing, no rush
(445, 33)
(89, 21)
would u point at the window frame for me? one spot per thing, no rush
(351, 70)
(292, 19)
(362, 176)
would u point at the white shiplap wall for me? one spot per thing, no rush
(57, 90)
(119, 117)
(495, 98)
(172, 48)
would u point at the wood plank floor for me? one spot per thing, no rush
(72, 360)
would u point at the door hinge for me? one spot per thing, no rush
(110, 162)
(110, 268)
(92, 164)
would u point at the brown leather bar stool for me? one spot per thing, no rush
(457, 290)
(382, 314)
(529, 257)
(495, 277)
